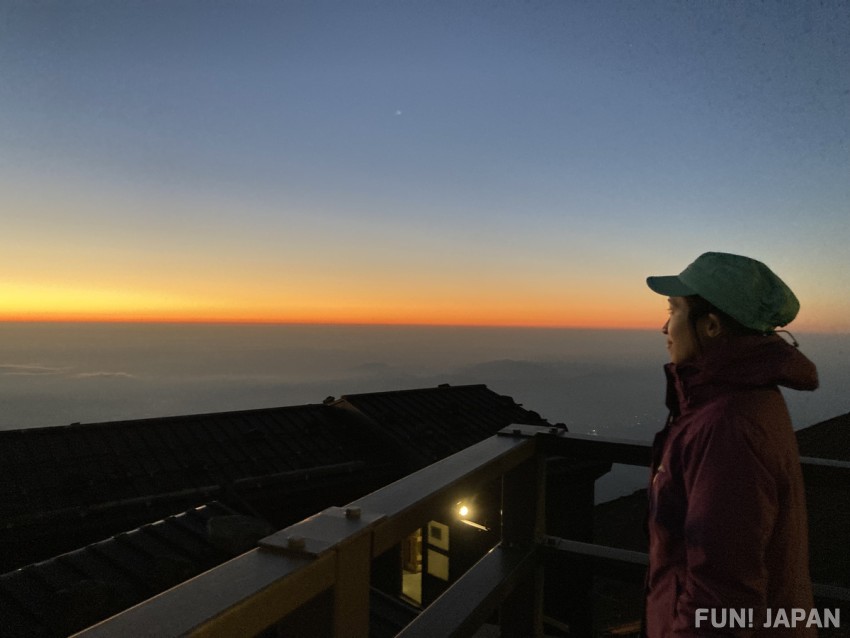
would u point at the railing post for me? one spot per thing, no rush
(569, 514)
(523, 501)
(345, 534)
(351, 590)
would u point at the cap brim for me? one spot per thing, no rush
(670, 285)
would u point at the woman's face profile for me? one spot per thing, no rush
(681, 341)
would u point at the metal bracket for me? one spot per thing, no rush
(322, 532)
(528, 431)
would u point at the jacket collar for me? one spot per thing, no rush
(749, 362)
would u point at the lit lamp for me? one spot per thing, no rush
(464, 513)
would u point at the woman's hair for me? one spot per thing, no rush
(699, 307)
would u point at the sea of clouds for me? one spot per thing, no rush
(603, 382)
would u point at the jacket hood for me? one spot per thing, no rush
(754, 361)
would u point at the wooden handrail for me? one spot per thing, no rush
(332, 551)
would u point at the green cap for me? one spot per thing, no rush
(743, 288)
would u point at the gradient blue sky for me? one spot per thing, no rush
(447, 162)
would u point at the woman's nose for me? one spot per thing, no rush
(664, 327)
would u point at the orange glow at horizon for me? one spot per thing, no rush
(634, 310)
(459, 317)
(347, 319)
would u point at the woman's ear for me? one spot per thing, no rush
(712, 325)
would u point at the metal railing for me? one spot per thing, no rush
(329, 557)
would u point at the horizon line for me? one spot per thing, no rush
(376, 324)
(268, 322)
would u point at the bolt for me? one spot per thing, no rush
(296, 542)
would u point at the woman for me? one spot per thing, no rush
(727, 521)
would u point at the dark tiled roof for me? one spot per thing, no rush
(103, 478)
(826, 440)
(433, 423)
(60, 467)
(68, 486)
(72, 591)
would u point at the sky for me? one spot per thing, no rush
(432, 162)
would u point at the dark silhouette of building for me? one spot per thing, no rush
(97, 517)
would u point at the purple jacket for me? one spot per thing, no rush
(727, 512)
